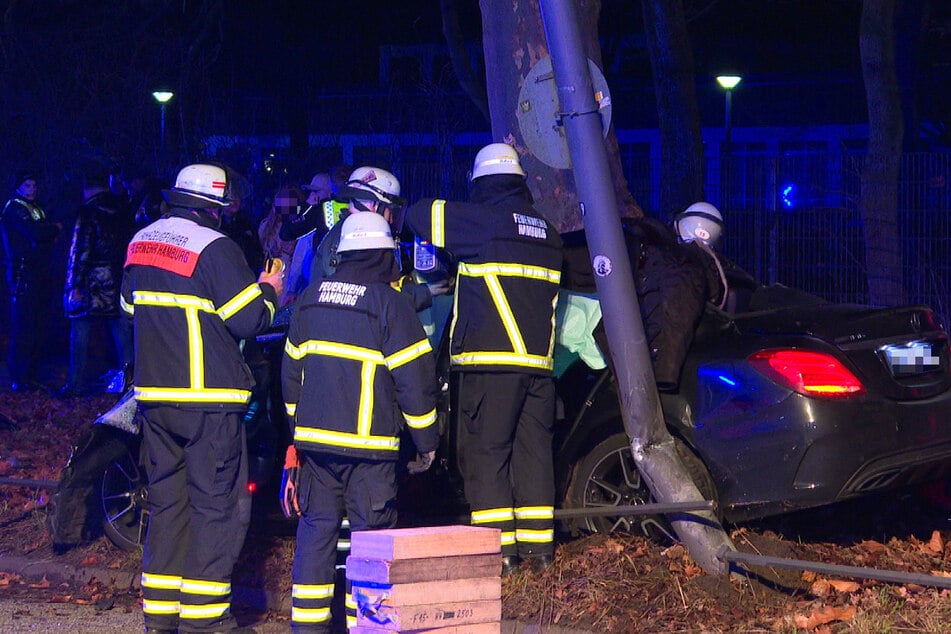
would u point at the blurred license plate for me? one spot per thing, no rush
(914, 358)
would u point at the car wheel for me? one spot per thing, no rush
(607, 476)
(124, 495)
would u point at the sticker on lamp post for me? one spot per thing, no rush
(602, 265)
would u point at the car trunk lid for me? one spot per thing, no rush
(901, 352)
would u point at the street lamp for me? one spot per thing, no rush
(162, 97)
(728, 83)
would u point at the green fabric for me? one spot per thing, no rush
(576, 317)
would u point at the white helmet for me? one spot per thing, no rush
(365, 230)
(496, 158)
(372, 183)
(199, 186)
(700, 221)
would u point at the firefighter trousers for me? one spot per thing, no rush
(504, 445)
(329, 486)
(197, 468)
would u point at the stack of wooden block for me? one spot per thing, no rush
(443, 579)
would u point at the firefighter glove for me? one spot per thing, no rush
(290, 480)
(422, 463)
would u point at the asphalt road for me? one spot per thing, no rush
(25, 615)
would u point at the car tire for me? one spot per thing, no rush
(123, 492)
(608, 476)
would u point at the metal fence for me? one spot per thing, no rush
(791, 217)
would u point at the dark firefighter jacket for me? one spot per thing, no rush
(509, 266)
(193, 297)
(357, 364)
(104, 226)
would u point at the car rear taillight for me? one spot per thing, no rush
(252, 486)
(809, 373)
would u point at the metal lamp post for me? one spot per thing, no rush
(162, 97)
(728, 83)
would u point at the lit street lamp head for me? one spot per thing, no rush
(729, 82)
(162, 96)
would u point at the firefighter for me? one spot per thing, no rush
(502, 336)
(193, 298)
(357, 369)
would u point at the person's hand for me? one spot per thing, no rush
(290, 480)
(422, 463)
(273, 274)
(440, 287)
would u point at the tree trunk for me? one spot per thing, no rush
(513, 42)
(681, 147)
(879, 197)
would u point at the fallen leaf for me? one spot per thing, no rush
(90, 560)
(820, 588)
(61, 598)
(809, 575)
(43, 583)
(844, 586)
(936, 544)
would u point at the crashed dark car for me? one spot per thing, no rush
(786, 403)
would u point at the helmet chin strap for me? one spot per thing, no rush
(359, 204)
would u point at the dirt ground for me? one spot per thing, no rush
(599, 583)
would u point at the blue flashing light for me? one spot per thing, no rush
(788, 196)
(727, 380)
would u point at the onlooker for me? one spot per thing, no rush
(104, 226)
(509, 266)
(356, 338)
(308, 229)
(193, 299)
(28, 235)
(287, 203)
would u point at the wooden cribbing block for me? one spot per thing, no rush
(370, 596)
(427, 617)
(428, 569)
(476, 628)
(429, 541)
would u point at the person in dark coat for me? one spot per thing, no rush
(104, 226)
(28, 235)
(502, 337)
(357, 369)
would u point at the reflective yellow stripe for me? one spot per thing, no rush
(351, 621)
(365, 408)
(161, 582)
(343, 439)
(210, 588)
(505, 269)
(322, 591)
(343, 544)
(486, 516)
(407, 354)
(189, 395)
(535, 512)
(290, 408)
(333, 349)
(535, 536)
(211, 610)
(126, 307)
(196, 366)
(508, 538)
(310, 615)
(438, 220)
(505, 312)
(349, 603)
(231, 307)
(421, 422)
(503, 358)
(151, 606)
(171, 300)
